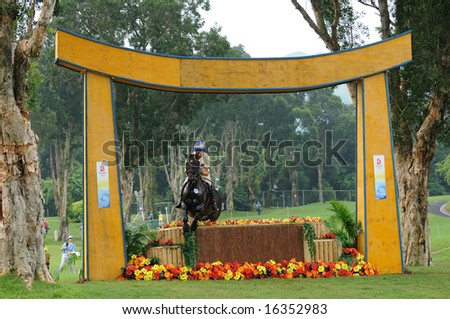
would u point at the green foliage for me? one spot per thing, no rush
(47, 192)
(190, 249)
(240, 197)
(349, 29)
(75, 187)
(70, 263)
(137, 236)
(35, 80)
(309, 235)
(343, 224)
(443, 169)
(429, 74)
(75, 211)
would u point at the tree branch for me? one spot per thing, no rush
(369, 4)
(36, 41)
(334, 25)
(307, 18)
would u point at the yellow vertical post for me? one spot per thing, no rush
(377, 191)
(104, 247)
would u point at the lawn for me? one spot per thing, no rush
(424, 282)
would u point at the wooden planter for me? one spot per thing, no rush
(174, 234)
(167, 255)
(327, 250)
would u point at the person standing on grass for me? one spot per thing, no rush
(258, 207)
(46, 227)
(68, 248)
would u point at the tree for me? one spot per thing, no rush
(21, 220)
(336, 23)
(421, 110)
(419, 103)
(322, 113)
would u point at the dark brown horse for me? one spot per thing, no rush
(196, 197)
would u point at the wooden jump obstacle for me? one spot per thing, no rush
(248, 243)
(103, 64)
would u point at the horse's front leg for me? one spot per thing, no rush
(186, 227)
(194, 225)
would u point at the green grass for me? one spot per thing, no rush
(425, 282)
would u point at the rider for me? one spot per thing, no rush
(203, 158)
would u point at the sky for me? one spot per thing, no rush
(271, 28)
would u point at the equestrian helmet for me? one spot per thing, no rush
(199, 146)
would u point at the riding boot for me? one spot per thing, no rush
(213, 202)
(178, 204)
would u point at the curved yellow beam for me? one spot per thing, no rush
(222, 75)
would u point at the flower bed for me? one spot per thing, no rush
(353, 265)
(293, 219)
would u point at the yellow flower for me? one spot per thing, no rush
(261, 269)
(321, 268)
(148, 275)
(144, 262)
(229, 275)
(184, 270)
(183, 277)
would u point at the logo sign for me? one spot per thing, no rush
(380, 177)
(103, 185)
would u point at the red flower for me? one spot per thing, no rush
(330, 235)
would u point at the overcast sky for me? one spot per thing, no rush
(271, 28)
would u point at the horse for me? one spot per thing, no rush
(195, 197)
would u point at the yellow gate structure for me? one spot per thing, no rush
(103, 64)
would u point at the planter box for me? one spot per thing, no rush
(174, 234)
(327, 250)
(167, 255)
(320, 229)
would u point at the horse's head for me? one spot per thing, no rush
(192, 167)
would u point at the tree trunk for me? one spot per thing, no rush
(61, 166)
(21, 225)
(150, 187)
(320, 182)
(175, 175)
(251, 188)
(127, 178)
(229, 138)
(293, 176)
(413, 163)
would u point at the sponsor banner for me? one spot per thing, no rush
(379, 177)
(103, 185)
